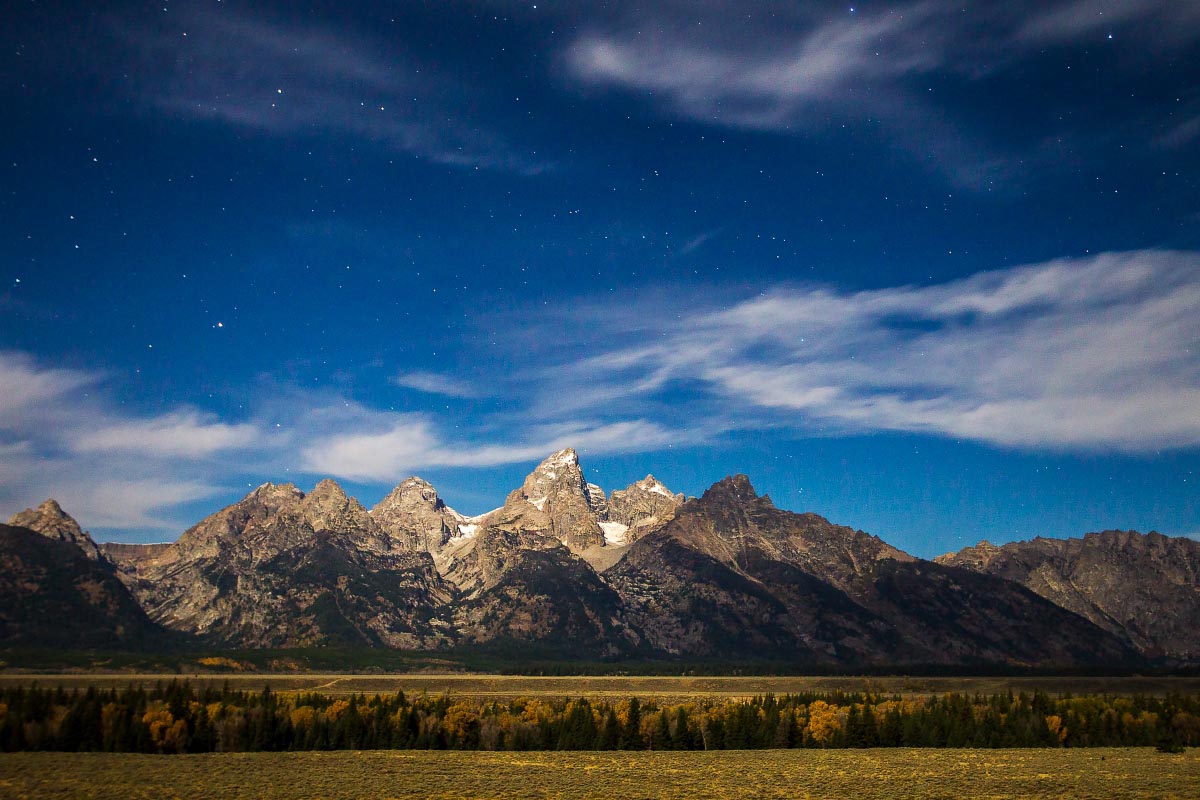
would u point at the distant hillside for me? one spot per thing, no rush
(1144, 588)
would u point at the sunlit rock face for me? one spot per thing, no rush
(284, 568)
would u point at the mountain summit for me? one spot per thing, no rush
(50, 520)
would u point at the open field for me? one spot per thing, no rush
(1093, 773)
(664, 688)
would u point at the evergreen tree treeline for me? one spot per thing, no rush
(176, 717)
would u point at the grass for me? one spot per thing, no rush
(667, 689)
(840, 774)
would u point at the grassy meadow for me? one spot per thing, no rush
(840, 774)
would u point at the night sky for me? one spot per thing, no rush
(931, 270)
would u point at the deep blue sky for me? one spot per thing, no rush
(930, 270)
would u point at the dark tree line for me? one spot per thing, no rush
(179, 718)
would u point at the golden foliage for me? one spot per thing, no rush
(823, 722)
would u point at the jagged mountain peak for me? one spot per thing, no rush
(728, 572)
(410, 492)
(1141, 587)
(736, 489)
(562, 458)
(976, 557)
(653, 484)
(328, 487)
(639, 508)
(51, 521)
(555, 496)
(414, 482)
(414, 514)
(274, 494)
(49, 516)
(328, 507)
(50, 507)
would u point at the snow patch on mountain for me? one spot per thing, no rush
(615, 533)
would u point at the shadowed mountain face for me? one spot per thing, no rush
(562, 568)
(53, 595)
(1143, 588)
(732, 565)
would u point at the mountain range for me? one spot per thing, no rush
(562, 568)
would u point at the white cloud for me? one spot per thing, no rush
(772, 84)
(187, 434)
(62, 436)
(384, 454)
(800, 70)
(1172, 22)
(131, 504)
(24, 383)
(433, 383)
(1095, 352)
(408, 442)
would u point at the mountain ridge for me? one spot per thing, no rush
(562, 565)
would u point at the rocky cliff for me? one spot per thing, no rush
(284, 568)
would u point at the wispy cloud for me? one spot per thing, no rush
(232, 68)
(180, 433)
(768, 83)
(403, 443)
(1077, 353)
(799, 71)
(61, 435)
(69, 439)
(137, 504)
(434, 383)
(696, 242)
(1172, 22)
(24, 383)
(1082, 354)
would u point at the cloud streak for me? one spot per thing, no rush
(1080, 354)
(795, 71)
(410, 442)
(777, 86)
(61, 435)
(1092, 353)
(186, 434)
(433, 383)
(295, 81)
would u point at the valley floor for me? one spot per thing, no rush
(663, 688)
(995, 774)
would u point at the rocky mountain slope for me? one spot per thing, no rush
(284, 568)
(51, 521)
(53, 594)
(1144, 588)
(562, 568)
(733, 571)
